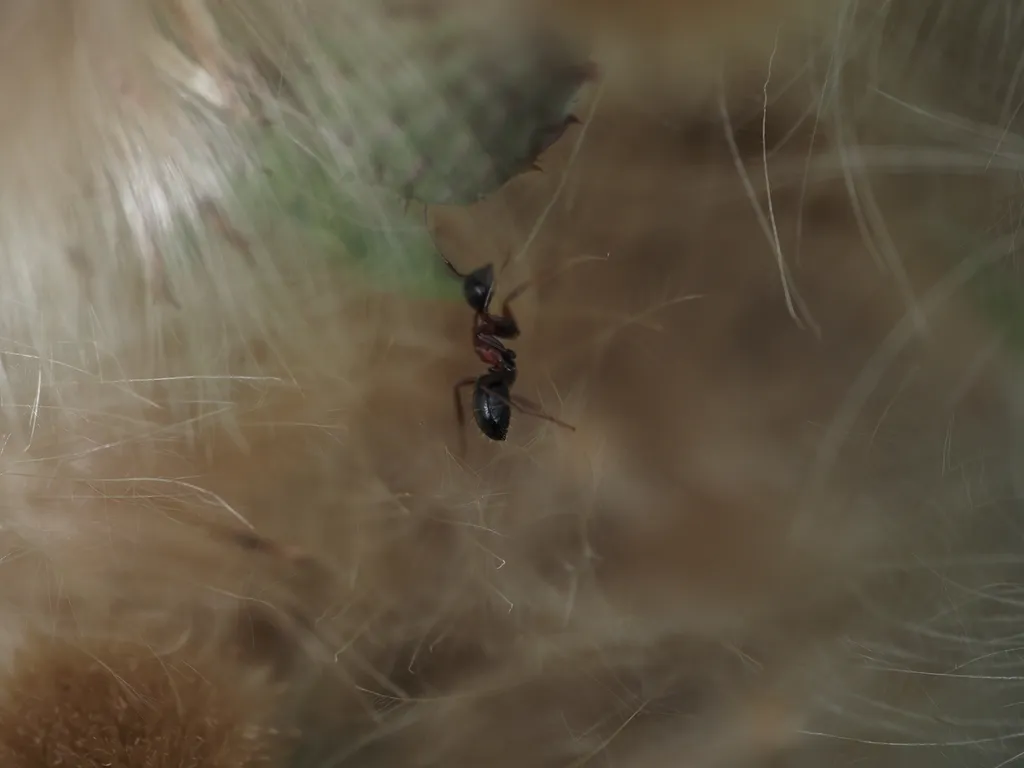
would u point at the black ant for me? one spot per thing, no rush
(493, 401)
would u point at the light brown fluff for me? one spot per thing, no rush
(236, 524)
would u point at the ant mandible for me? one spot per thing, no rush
(493, 401)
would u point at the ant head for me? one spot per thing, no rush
(478, 286)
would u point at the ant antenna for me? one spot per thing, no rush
(426, 226)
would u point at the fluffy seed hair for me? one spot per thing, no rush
(772, 290)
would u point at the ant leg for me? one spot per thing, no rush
(460, 411)
(511, 326)
(525, 406)
(514, 294)
(531, 408)
(522, 287)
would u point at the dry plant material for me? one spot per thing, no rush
(115, 705)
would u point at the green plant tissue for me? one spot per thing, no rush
(446, 118)
(381, 240)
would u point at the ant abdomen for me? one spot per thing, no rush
(491, 406)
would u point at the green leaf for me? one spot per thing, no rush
(438, 113)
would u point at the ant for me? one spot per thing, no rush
(493, 401)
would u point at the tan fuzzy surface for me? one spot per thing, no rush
(123, 705)
(767, 272)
